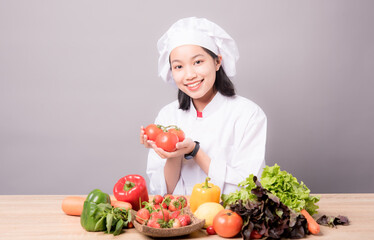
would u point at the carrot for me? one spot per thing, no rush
(121, 204)
(313, 226)
(73, 205)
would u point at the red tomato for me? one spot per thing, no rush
(167, 141)
(178, 132)
(210, 230)
(255, 235)
(152, 131)
(227, 223)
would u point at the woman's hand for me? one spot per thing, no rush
(144, 138)
(184, 147)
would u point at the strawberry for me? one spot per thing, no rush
(175, 205)
(166, 202)
(168, 196)
(153, 223)
(156, 206)
(142, 215)
(154, 215)
(167, 199)
(184, 219)
(157, 199)
(176, 223)
(164, 205)
(175, 214)
(183, 200)
(162, 214)
(148, 206)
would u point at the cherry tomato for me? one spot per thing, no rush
(167, 141)
(210, 230)
(227, 223)
(255, 235)
(178, 132)
(152, 131)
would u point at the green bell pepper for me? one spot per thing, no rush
(93, 217)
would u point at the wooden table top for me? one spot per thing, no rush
(40, 217)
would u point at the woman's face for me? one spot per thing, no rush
(194, 71)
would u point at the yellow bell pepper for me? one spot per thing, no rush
(204, 192)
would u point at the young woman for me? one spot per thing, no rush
(226, 133)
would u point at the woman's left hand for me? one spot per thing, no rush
(184, 147)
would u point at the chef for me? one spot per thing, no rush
(225, 133)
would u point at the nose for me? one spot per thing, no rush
(190, 73)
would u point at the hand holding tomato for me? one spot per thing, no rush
(144, 138)
(177, 131)
(167, 141)
(164, 138)
(152, 131)
(227, 223)
(181, 148)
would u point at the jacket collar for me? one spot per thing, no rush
(209, 109)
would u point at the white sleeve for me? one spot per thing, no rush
(232, 165)
(155, 169)
(155, 172)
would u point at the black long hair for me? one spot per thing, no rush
(222, 84)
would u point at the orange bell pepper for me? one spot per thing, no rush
(204, 192)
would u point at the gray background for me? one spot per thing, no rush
(78, 79)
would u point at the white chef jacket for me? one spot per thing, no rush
(231, 131)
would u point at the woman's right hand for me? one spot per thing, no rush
(144, 138)
(182, 148)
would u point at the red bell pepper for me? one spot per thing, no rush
(132, 189)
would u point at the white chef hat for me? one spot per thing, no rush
(201, 32)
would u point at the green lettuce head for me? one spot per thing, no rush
(293, 194)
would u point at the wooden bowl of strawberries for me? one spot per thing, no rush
(167, 216)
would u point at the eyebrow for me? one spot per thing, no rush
(197, 55)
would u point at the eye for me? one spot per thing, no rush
(198, 62)
(177, 67)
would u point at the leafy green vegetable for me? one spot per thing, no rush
(244, 194)
(332, 221)
(120, 218)
(293, 194)
(114, 219)
(282, 184)
(269, 216)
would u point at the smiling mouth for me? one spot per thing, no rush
(195, 84)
